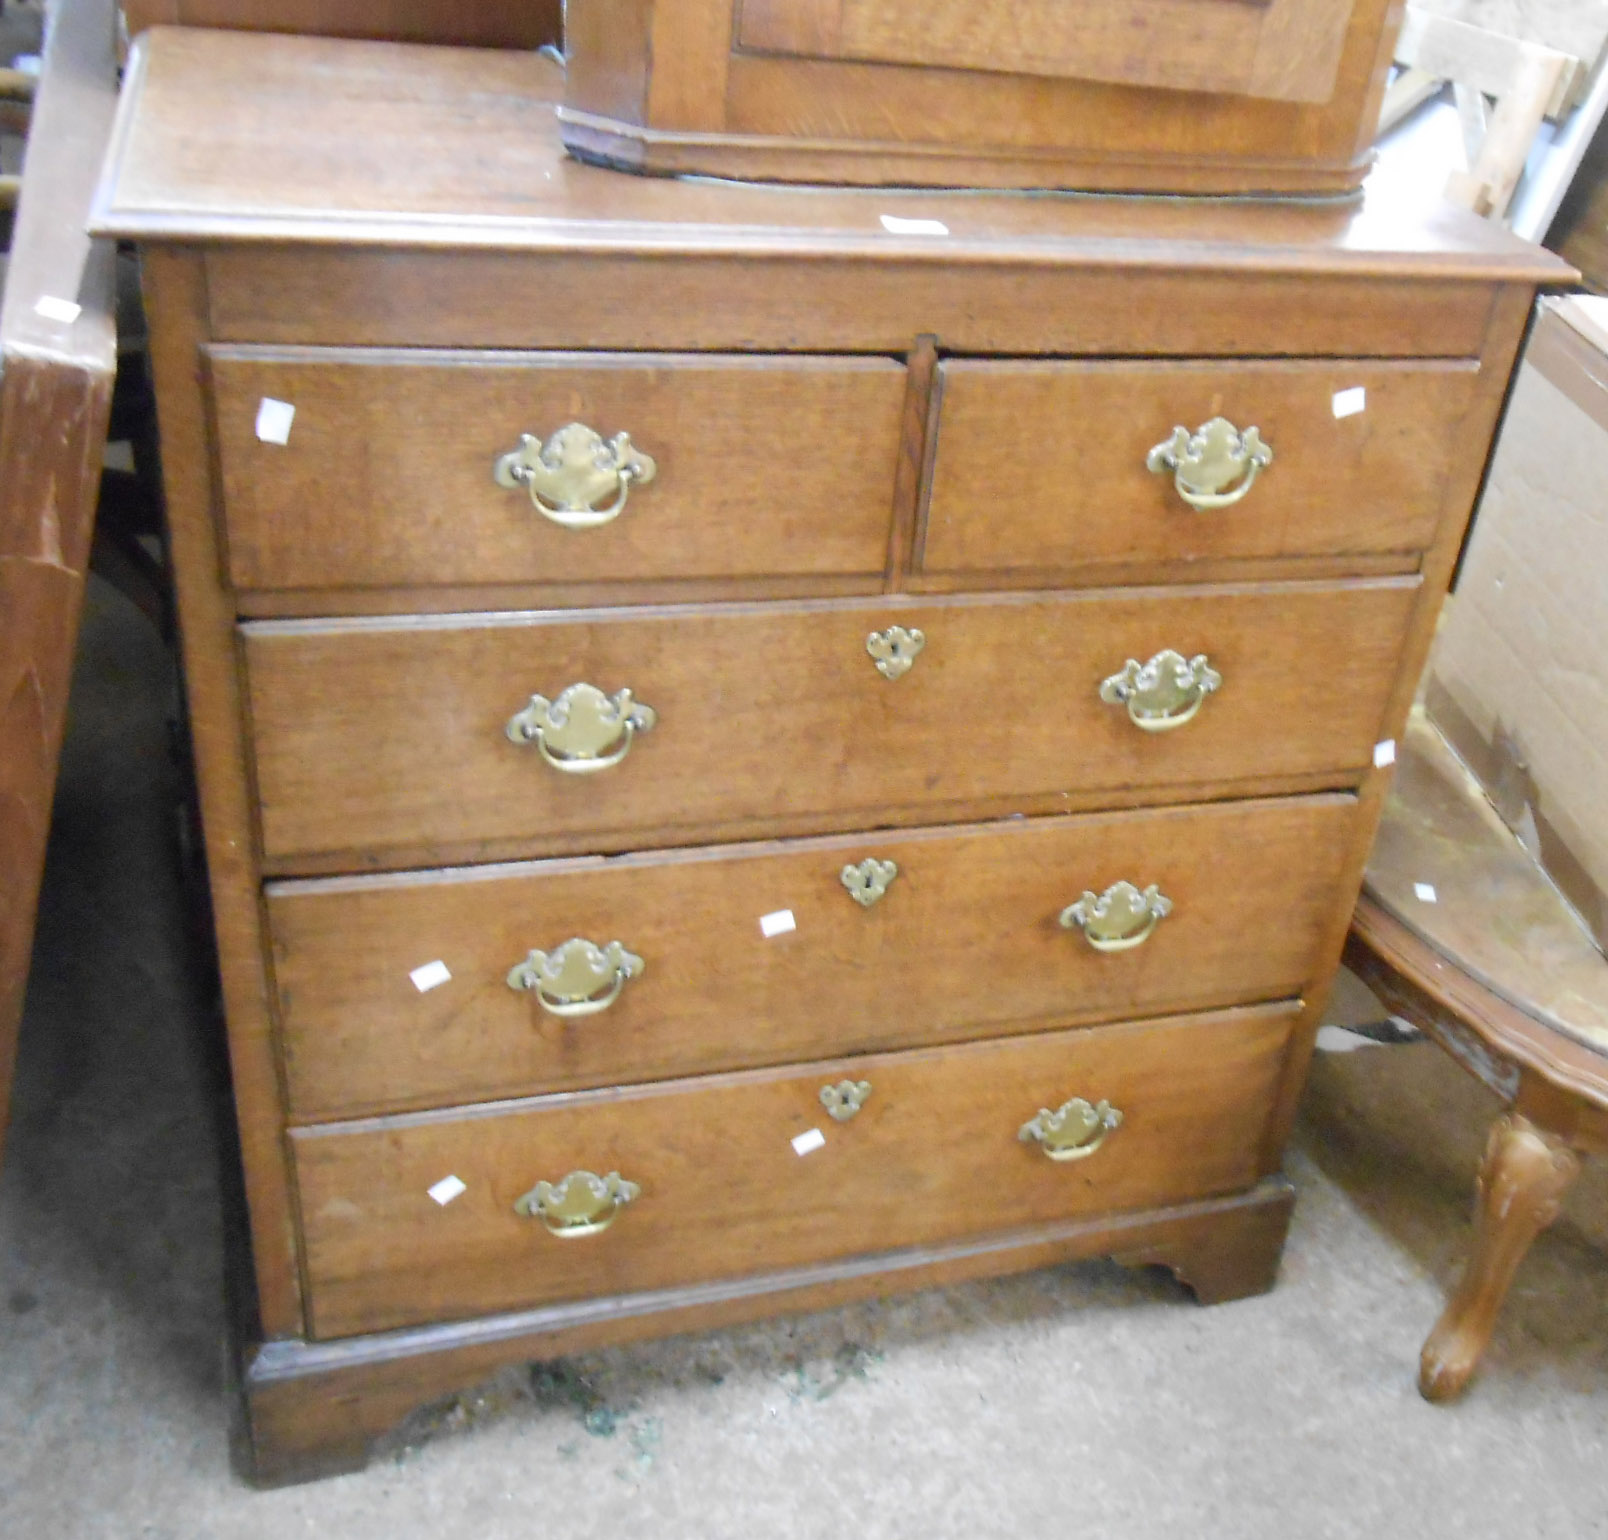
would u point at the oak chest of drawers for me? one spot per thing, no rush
(753, 752)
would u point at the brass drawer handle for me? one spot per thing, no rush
(1073, 1131)
(578, 978)
(845, 1098)
(573, 472)
(1214, 456)
(1120, 918)
(895, 650)
(583, 730)
(869, 879)
(1164, 693)
(580, 1204)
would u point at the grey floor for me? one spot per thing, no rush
(1081, 1400)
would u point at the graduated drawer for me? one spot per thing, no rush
(965, 941)
(763, 466)
(934, 1153)
(379, 738)
(1044, 465)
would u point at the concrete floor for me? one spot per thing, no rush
(1084, 1399)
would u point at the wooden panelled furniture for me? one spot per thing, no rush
(751, 757)
(58, 357)
(1218, 96)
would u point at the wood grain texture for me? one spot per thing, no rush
(1179, 95)
(460, 151)
(964, 944)
(1498, 353)
(55, 395)
(175, 304)
(312, 1408)
(1043, 465)
(427, 205)
(361, 297)
(932, 1156)
(1288, 50)
(764, 466)
(386, 738)
(483, 24)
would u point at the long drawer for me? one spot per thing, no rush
(379, 740)
(385, 472)
(935, 1151)
(395, 992)
(1050, 465)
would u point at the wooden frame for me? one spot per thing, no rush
(58, 353)
(477, 24)
(925, 94)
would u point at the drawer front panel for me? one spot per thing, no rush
(761, 466)
(933, 1153)
(965, 942)
(1043, 465)
(376, 738)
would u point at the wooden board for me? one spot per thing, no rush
(934, 1154)
(56, 372)
(1287, 50)
(478, 23)
(1044, 465)
(763, 466)
(964, 943)
(383, 741)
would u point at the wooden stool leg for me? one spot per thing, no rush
(1522, 1180)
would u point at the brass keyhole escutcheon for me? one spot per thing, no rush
(869, 879)
(895, 650)
(845, 1098)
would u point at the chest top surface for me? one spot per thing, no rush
(226, 138)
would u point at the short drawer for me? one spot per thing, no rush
(381, 740)
(1048, 465)
(935, 1151)
(762, 466)
(965, 941)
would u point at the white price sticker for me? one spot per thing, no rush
(274, 419)
(777, 924)
(1425, 892)
(1384, 753)
(810, 1139)
(448, 1188)
(1347, 403)
(430, 975)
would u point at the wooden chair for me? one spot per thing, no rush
(58, 357)
(1460, 932)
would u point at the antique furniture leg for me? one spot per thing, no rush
(1522, 1181)
(1522, 1005)
(1235, 1256)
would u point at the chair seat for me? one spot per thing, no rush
(1489, 910)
